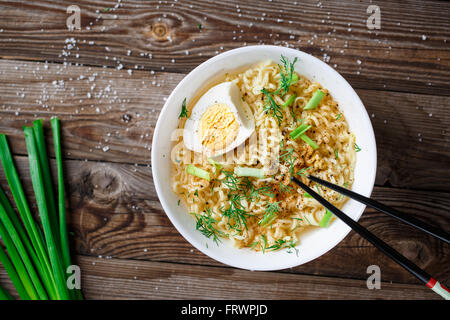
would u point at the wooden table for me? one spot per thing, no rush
(108, 83)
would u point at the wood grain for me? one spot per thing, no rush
(114, 121)
(128, 279)
(115, 213)
(409, 53)
(108, 82)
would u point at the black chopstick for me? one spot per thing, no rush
(378, 243)
(438, 233)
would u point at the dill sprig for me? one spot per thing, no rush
(245, 187)
(184, 110)
(205, 224)
(280, 244)
(230, 180)
(307, 220)
(253, 244)
(270, 214)
(270, 106)
(264, 243)
(288, 77)
(302, 171)
(345, 186)
(318, 189)
(291, 245)
(286, 188)
(255, 193)
(236, 211)
(287, 155)
(277, 245)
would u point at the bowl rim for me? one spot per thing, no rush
(157, 181)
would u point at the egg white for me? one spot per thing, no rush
(227, 93)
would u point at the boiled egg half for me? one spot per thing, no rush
(220, 121)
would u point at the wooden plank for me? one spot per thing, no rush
(128, 279)
(412, 133)
(114, 212)
(116, 123)
(409, 53)
(110, 117)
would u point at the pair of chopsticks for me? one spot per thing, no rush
(381, 245)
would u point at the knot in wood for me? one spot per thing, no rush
(416, 251)
(160, 31)
(106, 183)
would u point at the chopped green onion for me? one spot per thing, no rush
(338, 116)
(336, 153)
(307, 195)
(325, 219)
(299, 131)
(268, 219)
(271, 213)
(357, 148)
(249, 172)
(216, 164)
(308, 140)
(193, 170)
(315, 100)
(289, 101)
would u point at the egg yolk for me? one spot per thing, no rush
(218, 127)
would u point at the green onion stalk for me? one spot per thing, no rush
(5, 295)
(36, 259)
(63, 234)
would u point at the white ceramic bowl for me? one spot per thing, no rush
(312, 244)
